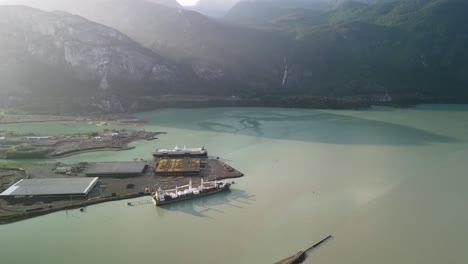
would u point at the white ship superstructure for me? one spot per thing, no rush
(185, 192)
(199, 152)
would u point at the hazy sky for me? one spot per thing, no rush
(182, 2)
(187, 2)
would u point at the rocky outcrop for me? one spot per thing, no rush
(216, 52)
(81, 48)
(412, 49)
(209, 73)
(56, 54)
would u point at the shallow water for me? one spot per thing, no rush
(387, 183)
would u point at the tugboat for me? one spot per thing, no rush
(180, 193)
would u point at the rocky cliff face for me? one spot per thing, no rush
(218, 53)
(59, 52)
(410, 49)
(86, 50)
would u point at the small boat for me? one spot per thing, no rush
(186, 192)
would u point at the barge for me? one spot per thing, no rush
(186, 192)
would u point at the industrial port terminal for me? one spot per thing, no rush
(32, 191)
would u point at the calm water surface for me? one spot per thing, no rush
(389, 184)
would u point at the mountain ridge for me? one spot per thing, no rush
(411, 50)
(58, 53)
(407, 47)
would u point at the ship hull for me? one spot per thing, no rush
(179, 155)
(189, 197)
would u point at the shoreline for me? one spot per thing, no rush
(32, 214)
(18, 146)
(108, 189)
(40, 118)
(25, 118)
(90, 150)
(35, 121)
(362, 105)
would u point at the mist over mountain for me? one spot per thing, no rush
(61, 55)
(219, 8)
(214, 8)
(404, 47)
(235, 58)
(169, 3)
(254, 11)
(413, 50)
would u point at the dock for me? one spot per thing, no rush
(117, 180)
(300, 256)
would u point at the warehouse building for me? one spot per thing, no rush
(50, 188)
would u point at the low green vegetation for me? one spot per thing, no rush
(93, 134)
(19, 164)
(414, 48)
(26, 153)
(16, 134)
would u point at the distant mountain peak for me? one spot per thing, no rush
(44, 47)
(169, 3)
(214, 8)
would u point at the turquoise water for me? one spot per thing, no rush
(387, 183)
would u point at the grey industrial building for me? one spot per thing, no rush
(50, 187)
